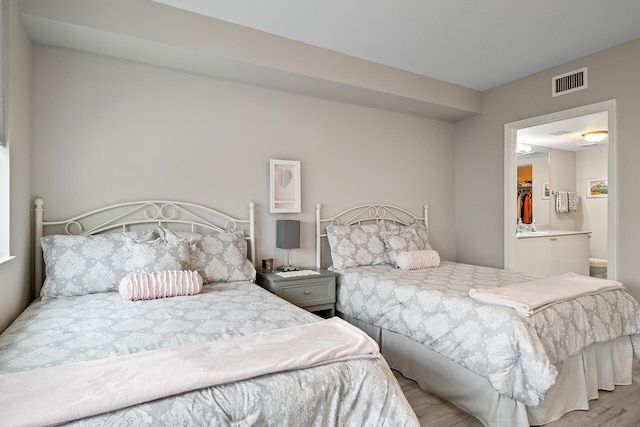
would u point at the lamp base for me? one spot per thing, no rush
(288, 267)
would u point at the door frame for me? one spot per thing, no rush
(510, 177)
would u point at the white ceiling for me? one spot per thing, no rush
(478, 44)
(566, 134)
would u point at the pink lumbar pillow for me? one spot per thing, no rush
(160, 284)
(415, 260)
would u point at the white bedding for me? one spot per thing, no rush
(516, 354)
(601, 366)
(64, 393)
(78, 329)
(504, 368)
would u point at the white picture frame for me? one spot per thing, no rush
(284, 186)
(597, 187)
(545, 190)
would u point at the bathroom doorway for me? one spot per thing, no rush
(598, 214)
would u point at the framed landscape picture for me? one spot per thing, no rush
(597, 187)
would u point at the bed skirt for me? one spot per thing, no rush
(601, 366)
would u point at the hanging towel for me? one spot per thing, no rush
(572, 200)
(562, 201)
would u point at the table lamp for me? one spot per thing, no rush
(287, 237)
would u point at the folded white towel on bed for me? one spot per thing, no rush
(528, 298)
(60, 394)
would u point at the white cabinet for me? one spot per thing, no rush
(553, 254)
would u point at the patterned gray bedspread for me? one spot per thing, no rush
(514, 353)
(74, 329)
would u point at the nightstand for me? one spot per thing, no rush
(316, 292)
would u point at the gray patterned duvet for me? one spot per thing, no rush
(514, 353)
(73, 329)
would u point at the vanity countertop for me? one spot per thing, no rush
(548, 233)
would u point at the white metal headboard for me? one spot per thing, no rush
(360, 214)
(123, 216)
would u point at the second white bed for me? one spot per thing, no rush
(504, 368)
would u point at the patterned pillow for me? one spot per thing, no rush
(80, 265)
(156, 255)
(356, 245)
(400, 238)
(218, 257)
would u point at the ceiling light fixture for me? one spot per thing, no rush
(523, 149)
(595, 136)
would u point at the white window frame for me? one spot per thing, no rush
(5, 175)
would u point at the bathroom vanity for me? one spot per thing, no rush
(553, 252)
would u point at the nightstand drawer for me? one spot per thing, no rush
(313, 292)
(317, 293)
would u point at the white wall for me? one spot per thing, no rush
(479, 156)
(108, 130)
(540, 203)
(562, 176)
(593, 164)
(15, 275)
(154, 33)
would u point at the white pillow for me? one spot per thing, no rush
(160, 284)
(417, 260)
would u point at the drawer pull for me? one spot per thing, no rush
(307, 292)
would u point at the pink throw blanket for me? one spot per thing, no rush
(528, 298)
(65, 393)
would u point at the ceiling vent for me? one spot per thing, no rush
(569, 82)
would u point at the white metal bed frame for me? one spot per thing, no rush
(363, 214)
(123, 216)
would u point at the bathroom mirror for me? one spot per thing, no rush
(533, 184)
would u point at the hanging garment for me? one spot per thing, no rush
(527, 209)
(519, 205)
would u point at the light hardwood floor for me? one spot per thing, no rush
(619, 408)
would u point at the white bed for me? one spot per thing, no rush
(429, 328)
(66, 352)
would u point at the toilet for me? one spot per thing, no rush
(598, 268)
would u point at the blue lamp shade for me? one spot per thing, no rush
(287, 234)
